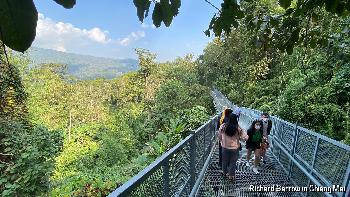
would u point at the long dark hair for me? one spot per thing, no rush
(232, 125)
(252, 126)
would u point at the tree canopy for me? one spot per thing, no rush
(90, 136)
(282, 29)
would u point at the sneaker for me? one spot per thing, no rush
(255, 170)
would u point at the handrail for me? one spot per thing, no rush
(137, 179)
(323, 161)
(298, 165)
(302, 137)
(201, 175)
(159, 169)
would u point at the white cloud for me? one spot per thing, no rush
(59, 34)
(63, 36)
(133, 36)
(98, 35)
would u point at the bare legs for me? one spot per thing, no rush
(257, 157)
(249, 151)
(256, 160)
(263, 151)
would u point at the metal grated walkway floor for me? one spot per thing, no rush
(271, 174)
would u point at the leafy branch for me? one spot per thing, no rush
(18, 20)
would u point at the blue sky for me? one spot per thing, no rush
(110, 28)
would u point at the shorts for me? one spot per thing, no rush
(252, 145)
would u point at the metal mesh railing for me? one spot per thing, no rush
(271, 173)
(177, 171)
(310, 159)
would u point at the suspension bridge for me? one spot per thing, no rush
(299, 162)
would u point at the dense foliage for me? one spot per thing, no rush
(278, 23)
(26, 150)
(27, 158)
(310, 86)
(89, 136)
(60, 136)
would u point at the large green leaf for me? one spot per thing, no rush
(66, 3)
(142, 8)
(166, 12)
(157, 15)
(175, 5)
(18, 20)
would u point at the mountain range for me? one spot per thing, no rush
(84, 66)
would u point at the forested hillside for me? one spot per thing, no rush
(83, 66)
(64, 136)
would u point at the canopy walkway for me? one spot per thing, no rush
(300, 162)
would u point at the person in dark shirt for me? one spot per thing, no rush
(253, 143)
(266, 124)
(238, 112)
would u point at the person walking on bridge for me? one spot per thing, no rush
(238, 112)
(266, 126)
(229, 136)
(223, 119)
(253, 143)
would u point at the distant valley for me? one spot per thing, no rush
(84, 66)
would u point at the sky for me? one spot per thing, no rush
(110, 28)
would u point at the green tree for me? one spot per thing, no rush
(308, 86)
(266, 18)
